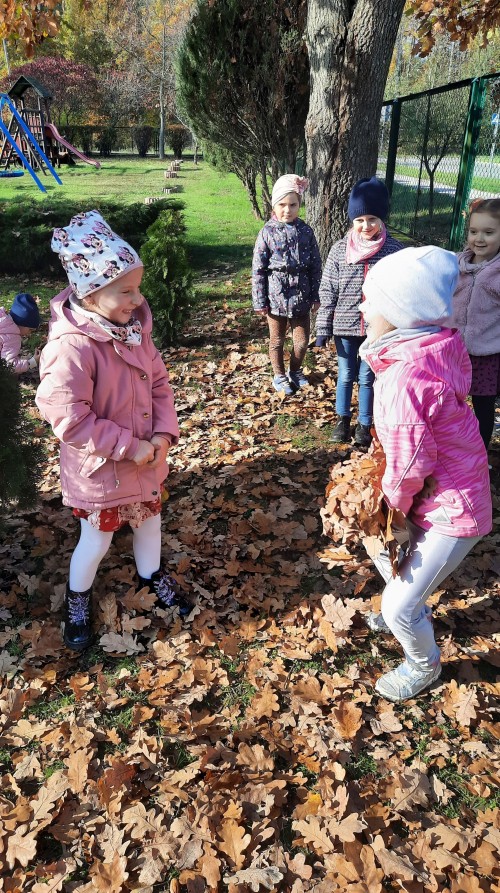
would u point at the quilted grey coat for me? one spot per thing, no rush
(286, 269)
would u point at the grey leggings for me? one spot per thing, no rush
(301, 327)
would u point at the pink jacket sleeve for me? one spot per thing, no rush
(64, 398)
(411, 455)
(164, 414)
(10, 350)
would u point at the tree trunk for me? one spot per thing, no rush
(249, 178)
(350, 44)
(264, 188)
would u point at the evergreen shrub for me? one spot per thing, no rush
(143, 138)
(21, 454)
(26, 229)
(167, 282)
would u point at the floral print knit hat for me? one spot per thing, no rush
(91, 253)
(286, 184)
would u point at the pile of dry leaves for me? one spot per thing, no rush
(244, 750)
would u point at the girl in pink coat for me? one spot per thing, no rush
(436, 465)
(105, 391)
(476, 308)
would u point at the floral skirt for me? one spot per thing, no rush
(485, 376)
(109, 520)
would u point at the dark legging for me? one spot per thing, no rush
(484, 408)
(301, 327)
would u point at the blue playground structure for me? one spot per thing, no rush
(12, 145)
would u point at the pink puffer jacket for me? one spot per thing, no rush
(10, 343)
(426, 428)
(101, 397)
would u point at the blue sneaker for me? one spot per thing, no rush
(298, 379)
(281, 383)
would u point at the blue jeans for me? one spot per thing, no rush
(351, 369)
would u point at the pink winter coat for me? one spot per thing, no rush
(101, 397)
(426, 428)
(476, 305)
(10, 343)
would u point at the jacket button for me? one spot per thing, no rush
(144, 377)
(145, 415)
(154, 492)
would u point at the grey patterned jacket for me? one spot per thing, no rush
(341, 290)
(286, 269)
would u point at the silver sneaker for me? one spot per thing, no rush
(376, 623)
(406, 681)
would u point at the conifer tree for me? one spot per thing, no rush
(21, 454)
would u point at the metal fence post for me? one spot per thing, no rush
(392, 149)
(469, 151)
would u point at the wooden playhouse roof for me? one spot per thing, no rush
(23, 83)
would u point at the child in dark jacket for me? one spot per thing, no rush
(341, 293)
(286, 273)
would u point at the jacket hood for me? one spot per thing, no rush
(466, 266)
(441, 355)
(66, 321)
(9, 327)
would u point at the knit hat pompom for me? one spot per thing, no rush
(24, 311)
(412, 288)
(286, 184)
(368, 196)
(91, 253)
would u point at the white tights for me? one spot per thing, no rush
(93, 545)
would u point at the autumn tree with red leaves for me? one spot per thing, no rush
(73, 86)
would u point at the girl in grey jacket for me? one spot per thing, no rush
(341, 293)
(286, 273)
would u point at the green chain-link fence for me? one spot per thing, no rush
(438, 150)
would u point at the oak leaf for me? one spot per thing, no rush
(234, 841)
(210, 867)
(264, 703)
(256, 878)
(349, 719)
(337, 612)
(347, 828)
(315, 834)
(78, 764)
(113, 643)
(141, 601)
(386, 722)
(109, 877)
(21, 847)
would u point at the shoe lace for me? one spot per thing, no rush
(78, 609)
(165, 590)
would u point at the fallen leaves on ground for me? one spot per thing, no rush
(245, 749)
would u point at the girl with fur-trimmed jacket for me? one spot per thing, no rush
(105, 391)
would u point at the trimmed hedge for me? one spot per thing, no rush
(26, 229)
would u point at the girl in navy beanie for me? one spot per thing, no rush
(341, 293)
(15, 324)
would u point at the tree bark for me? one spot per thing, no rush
(350, 44)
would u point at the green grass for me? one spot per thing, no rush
(449, 178)
(221, 228)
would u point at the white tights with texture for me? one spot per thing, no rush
(93, 545)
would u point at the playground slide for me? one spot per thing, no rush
(52, 133)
